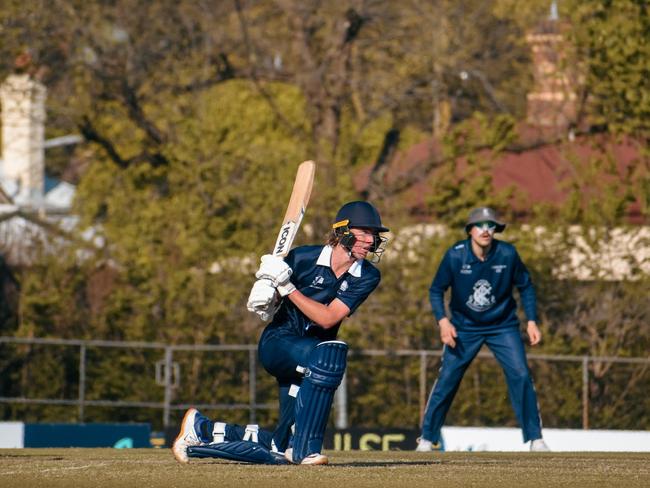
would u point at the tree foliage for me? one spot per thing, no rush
(611, 40)
(195, 116)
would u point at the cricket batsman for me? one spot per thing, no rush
(306, 295)
(482, 272)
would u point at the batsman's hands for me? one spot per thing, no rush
(263, 300)
(447, 332)
(534, 333)
(267, 313)
(261, 296)
(274, 268)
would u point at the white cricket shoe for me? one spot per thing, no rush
(424, 445)
(316, 459)
(186, 437)
(538, 445)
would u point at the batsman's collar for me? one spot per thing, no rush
(325, 259)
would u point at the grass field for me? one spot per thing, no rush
(141, 468)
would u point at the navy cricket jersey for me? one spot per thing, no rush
(481, 293)
(313, 276)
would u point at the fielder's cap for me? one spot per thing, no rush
(359, 214)
(484, 214)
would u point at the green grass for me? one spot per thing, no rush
(156, 468)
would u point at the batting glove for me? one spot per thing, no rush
(261, 296)
(267, 313)
(275, 269)
(285, 289)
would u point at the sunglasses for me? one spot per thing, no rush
(486, 226)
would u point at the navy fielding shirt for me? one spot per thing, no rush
(481, 295)
(313, 276)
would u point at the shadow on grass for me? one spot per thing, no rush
(382, 464)
(47, 457)
(340, 464)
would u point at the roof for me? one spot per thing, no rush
(538, 168)
(57, 195)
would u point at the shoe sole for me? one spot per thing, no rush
(179, 458)
(320, 460)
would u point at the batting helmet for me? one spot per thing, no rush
(484, 214)
(359, 214)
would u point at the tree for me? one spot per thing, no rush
(611, 42)
(195, 115)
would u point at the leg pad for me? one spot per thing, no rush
(324, 374)
(242, 451)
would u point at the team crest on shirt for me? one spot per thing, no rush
(481, 298)
(317, 283)
(344, 285)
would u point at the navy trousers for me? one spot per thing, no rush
(280, 353)
(508, 348)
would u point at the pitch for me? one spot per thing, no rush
(156, 468)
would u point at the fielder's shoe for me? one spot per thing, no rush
(538, 445)
(315, 459)
(186, 437)
(424, 445)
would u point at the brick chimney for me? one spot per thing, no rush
(23, 134)
(553, 102)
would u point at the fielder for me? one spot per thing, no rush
(307, 296)
(481, 272)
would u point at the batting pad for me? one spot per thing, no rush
(324, 374)
(243, 451)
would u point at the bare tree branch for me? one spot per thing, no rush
(132, 103)
(91, 134)
(388, 149)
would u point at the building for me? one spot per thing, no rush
(34, 208)
(554, 148)
(553, 142)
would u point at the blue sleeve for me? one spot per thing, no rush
(441, 282)
(526, 289)
(358, 290)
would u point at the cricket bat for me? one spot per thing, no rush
(296, 209)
